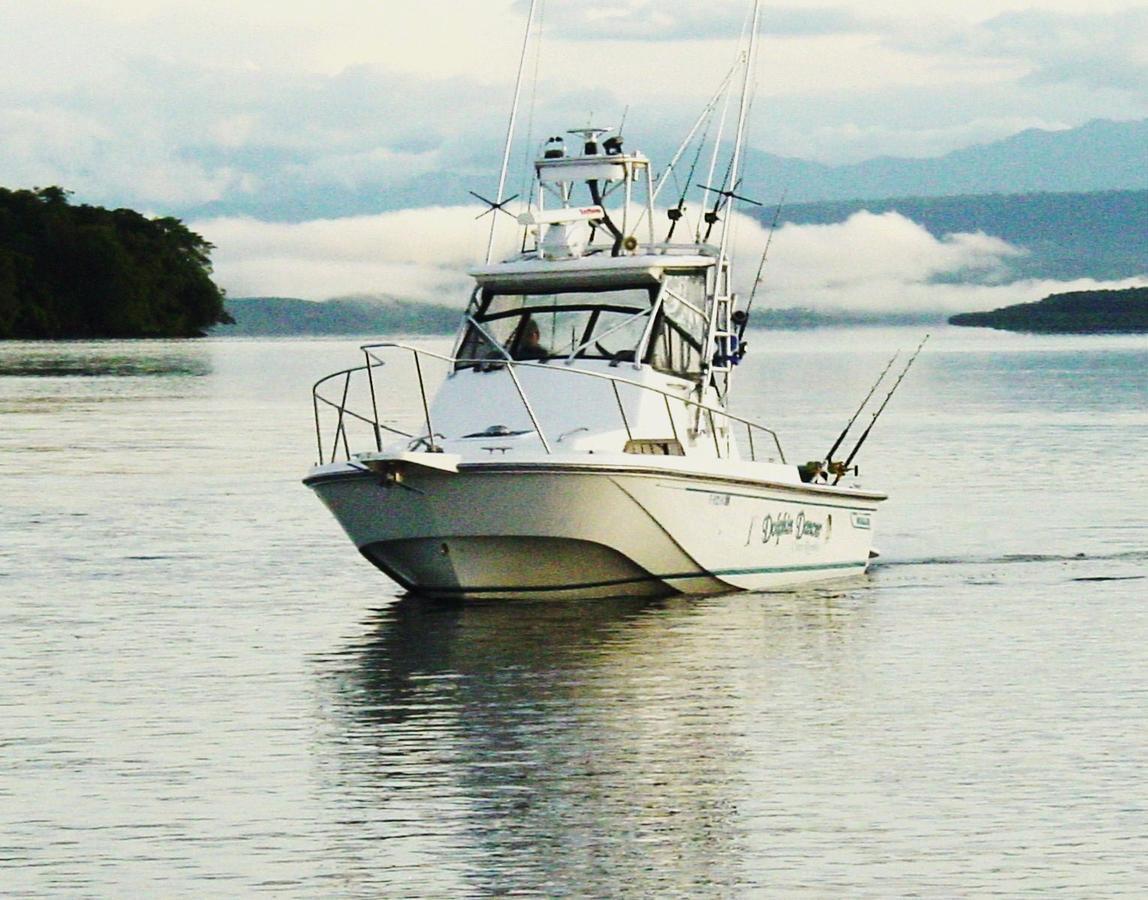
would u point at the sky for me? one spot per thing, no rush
(170, 106)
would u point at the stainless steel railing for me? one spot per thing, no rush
(344, 415)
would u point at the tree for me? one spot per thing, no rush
(84, 272)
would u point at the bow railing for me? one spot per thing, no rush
(356, 406)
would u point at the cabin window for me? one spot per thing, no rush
(680, 330)
(604, 324)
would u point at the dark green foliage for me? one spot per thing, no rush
(1078, 312)
(87, 272)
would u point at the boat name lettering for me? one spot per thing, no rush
(773, 528)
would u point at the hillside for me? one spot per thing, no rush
(270, 316)
(1078, 312)
(88, 272)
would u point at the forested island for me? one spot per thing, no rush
(88, 272)
(1077, 312)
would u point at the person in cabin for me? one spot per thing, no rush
(529, 345)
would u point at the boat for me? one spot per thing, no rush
(580, 443)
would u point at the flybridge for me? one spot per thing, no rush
(598, 161)
(602, 170)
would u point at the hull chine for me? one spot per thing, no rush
(512, 567)
(594, 531)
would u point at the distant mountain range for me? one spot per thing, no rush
(1099, 156)
(360, 315)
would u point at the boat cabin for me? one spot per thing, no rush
(638, 311)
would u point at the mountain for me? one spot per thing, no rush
(360, 315)
(1099, 156)
(1078, 312)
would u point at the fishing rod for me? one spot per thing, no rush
(741, 317)
(864, 403)
(880, 409)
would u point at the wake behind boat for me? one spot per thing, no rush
(580, 443)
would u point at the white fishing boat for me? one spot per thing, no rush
(581, 442)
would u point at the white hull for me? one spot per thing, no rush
(576, 529)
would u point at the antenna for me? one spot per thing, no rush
(510, 126)
(493, 206)
(723, 196)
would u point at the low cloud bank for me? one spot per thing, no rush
(414, 254)
(888, 263)
(868, 263)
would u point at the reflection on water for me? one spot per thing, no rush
(565, 735)
(102, 359)
(197, 701)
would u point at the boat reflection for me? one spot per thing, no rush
(558, 736)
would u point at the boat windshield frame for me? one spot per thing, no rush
(629, 321)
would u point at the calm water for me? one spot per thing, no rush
(205, 691)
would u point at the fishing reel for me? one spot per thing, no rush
(822, 470)
(740, 318)
(840, 469)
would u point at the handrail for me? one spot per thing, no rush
(343, 410)
(703, 409)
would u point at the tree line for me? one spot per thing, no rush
(1076, 312)
(88, 272)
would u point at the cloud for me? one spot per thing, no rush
(179, 108)
(688, 20)
(888, 263)
(868, 263)
(1096, 50)
(171, 135)
(415, 254)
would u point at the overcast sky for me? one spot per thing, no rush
(165, 105)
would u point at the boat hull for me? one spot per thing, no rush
(516, 530)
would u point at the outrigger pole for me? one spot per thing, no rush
(743, 112)
(844, 467)
(510, 129)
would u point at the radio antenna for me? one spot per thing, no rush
(499, 200)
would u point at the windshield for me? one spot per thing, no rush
(572, 324)
(676, 342)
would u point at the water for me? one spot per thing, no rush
(205, 691)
